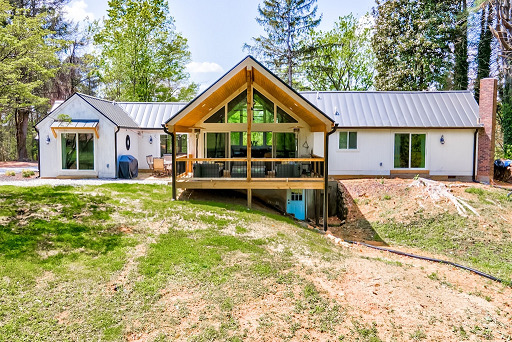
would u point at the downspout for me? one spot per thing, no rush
(38, 152)
(115, 148)
(326, 176)
(474, 154)
(173, 170)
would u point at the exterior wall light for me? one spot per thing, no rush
(442, 140)
(150, 139)
(47, 140)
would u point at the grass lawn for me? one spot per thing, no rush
(483, 242)
(122, 262)
(101, 263)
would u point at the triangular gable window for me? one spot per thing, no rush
(218, 117)
(263, 109)
(237, 109)
(283, 117)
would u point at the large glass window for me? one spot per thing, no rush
(285, 145)
(238, 144)
(283, 117)
(216, 145)
(409, 150)
(77, 151)
(348, 141)
(237, 109)
(261, 144)
(218, 117)
(166, 144)
(263, 111)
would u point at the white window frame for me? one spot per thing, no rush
(348, 139)
(410, 148)
(78, 152)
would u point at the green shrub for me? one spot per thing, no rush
(27, 173)
(10, 173)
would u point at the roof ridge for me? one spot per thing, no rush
(385, 91)
(127, 102)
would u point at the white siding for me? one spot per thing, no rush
(51, 154)
(375, 148)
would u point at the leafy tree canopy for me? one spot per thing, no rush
(342, 58)
(142, 57)
(412, 43)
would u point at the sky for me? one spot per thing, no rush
(216, 30)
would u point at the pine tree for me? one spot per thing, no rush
(287, 23)
(460, 47)
(483, 58)
(28, 55)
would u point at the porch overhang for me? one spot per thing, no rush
(75, 126)
(235, 81)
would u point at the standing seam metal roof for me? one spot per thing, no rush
(151, 114)
(112, 111)
(450, 109)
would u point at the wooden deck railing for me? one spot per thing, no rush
(200, 168)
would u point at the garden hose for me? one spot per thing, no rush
(480, 273)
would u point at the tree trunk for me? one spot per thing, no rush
(22, 116)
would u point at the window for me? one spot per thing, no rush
(216, 145)
(409, 151)
(285, 145)
(166, 144)
(348, 141)
(218, 117)
(263, 111)
(237, 109)
(283, 117)
(77, 151)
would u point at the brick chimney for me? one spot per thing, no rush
(487, 111)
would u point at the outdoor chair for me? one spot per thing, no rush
(168, 163)
(158, 166)
(149, 160)
(291, 170)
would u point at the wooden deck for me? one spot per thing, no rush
(254, 183)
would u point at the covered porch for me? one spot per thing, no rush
(250, 131)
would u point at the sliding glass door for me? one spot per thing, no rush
(409, 151)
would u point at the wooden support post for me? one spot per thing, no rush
(249, 121)
(249, 198)
(173, 144)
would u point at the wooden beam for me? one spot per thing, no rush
(261, 184)
(249, 120)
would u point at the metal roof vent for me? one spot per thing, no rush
(336, 113)
(318, 95)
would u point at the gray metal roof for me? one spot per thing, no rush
(451, 109)
(111, 110)
(74, 124)
(151, 114)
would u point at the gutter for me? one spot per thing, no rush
(173, 171)
(475, 141)
(326, 175)
(115, 149)
(38, 153)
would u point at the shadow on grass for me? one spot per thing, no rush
(357, 227)
(233, 200)
(45, 223)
